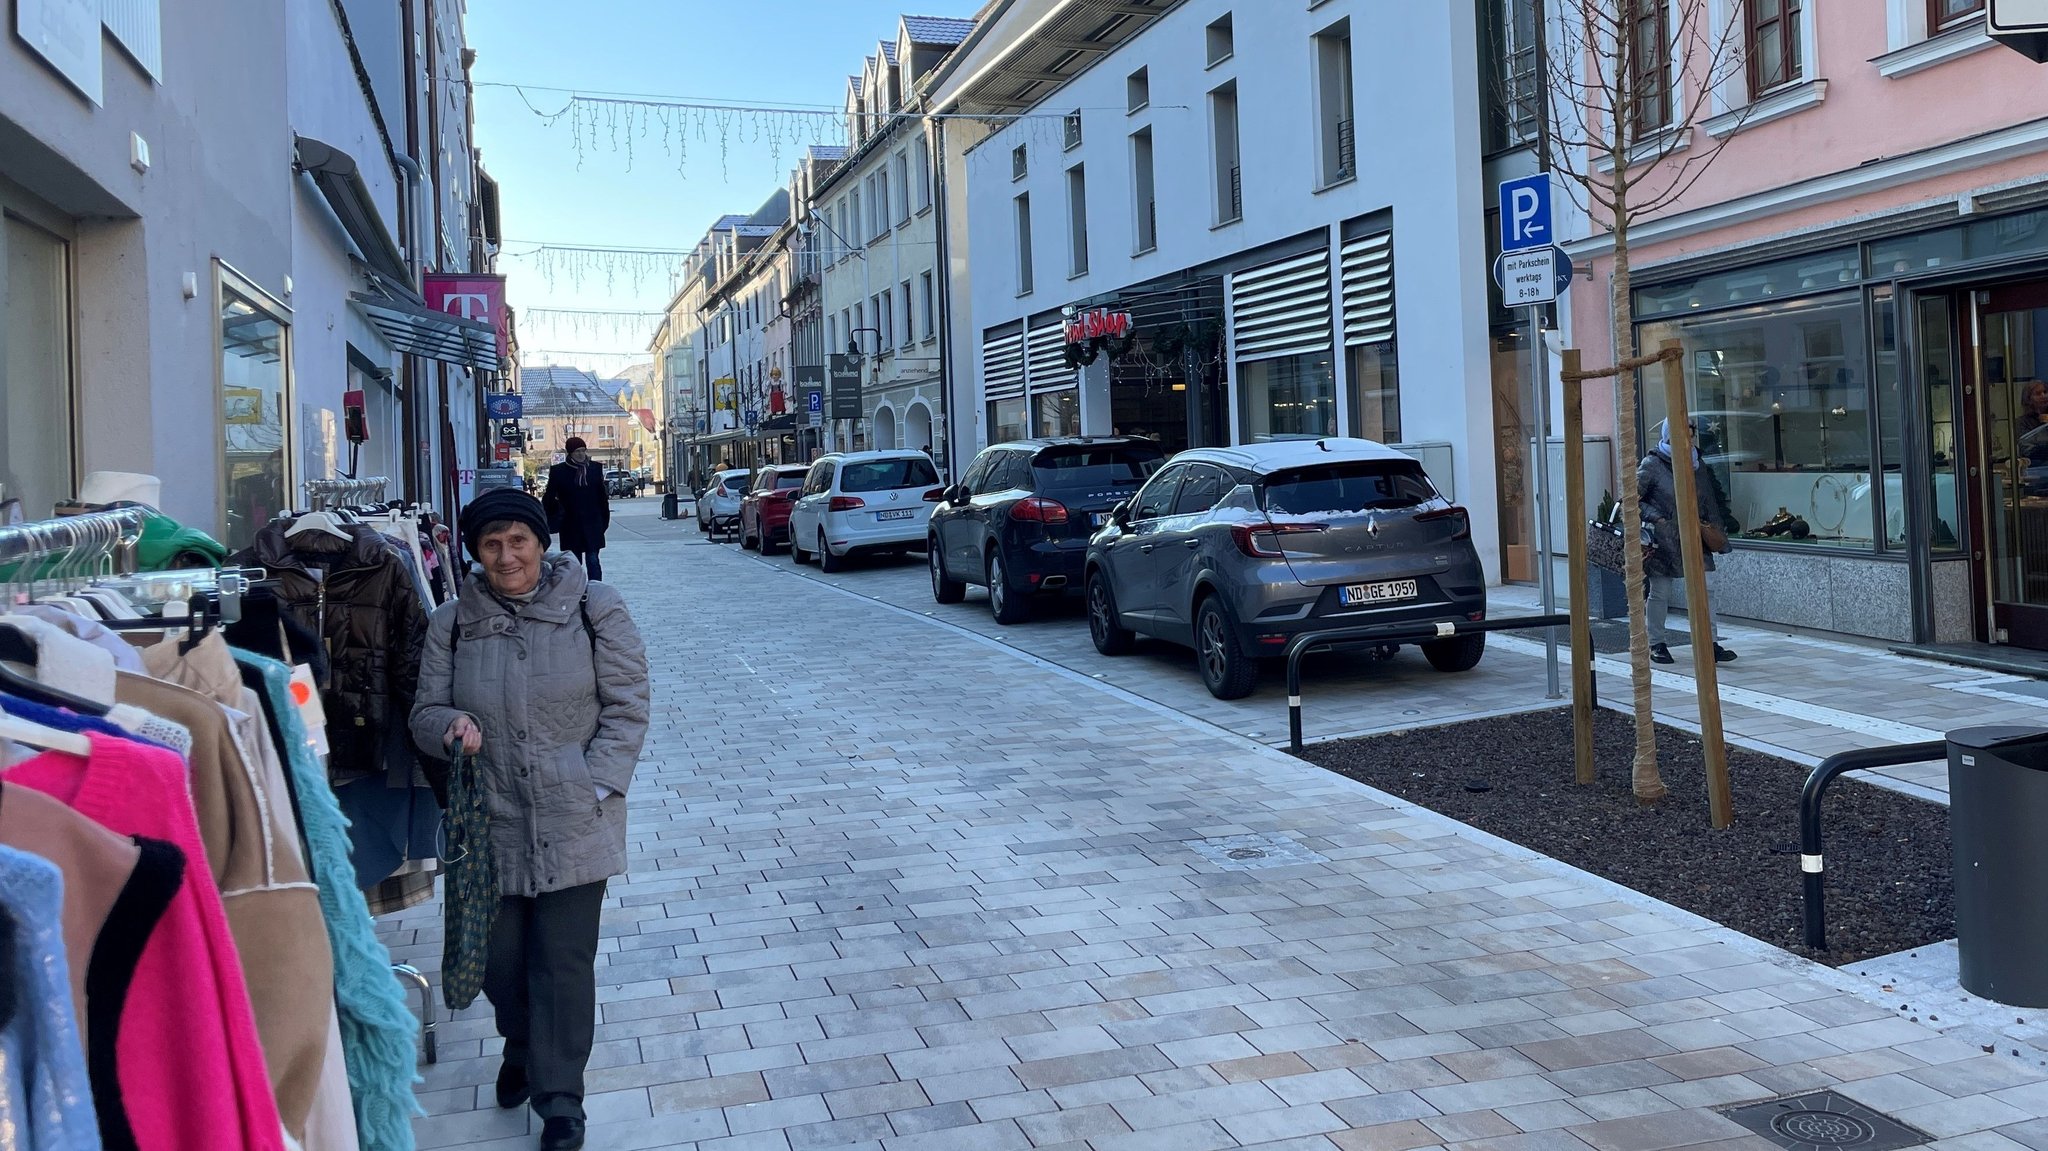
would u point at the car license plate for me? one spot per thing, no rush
(1101, 518)
(1388, 592)
(895, 515)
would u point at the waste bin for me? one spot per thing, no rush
(669, 508)
(1998, 830)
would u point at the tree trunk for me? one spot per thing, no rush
(1645, 779)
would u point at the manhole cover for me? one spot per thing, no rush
(1824, 1121)
(1246, 852)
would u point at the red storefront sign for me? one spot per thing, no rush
(473, 296)
(1098, 324)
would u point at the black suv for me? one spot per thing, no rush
(1019, 521)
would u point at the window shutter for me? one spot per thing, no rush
(137, 25)
(1048, 360)
(1002, 367)
(1369, 289)
(1282, 309)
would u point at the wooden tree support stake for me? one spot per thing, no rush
(1575, 536)
(1720, 797)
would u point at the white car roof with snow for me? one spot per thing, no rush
(1279, 455)
(877, 454)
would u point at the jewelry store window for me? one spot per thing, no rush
(1782, 396)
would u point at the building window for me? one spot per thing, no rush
(1020, 165)
(1145, 204)
(255, 376)
(1223, 143)
(1024, 244)
(1058, 413)
(909, 333)
(1375, 392)
(1945, 14)
(1781, 393)
(1289, 396)
(1007, 420)
(35, 368)
(903, 187)
(1072, 126)
(855, 219)
(928, 305)
(1333, 104)
(882, 202)
(1077, 220)
(1138, 91)
(1222, 40)
(1650, 65)
(923, 149)
(884, 322)
(1775, 44)
(1516, 99)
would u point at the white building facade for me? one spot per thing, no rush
(1286, 203)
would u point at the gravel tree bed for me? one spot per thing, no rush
(1888, 881)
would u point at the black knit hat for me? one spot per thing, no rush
(501, 505)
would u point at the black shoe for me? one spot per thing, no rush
(562, 1134)
(1723, 655)
(511, 1086)
(1660, 654)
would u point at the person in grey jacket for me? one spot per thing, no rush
(542, 674)
(1658, 489)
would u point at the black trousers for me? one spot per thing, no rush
(591, 566)
(541, 976)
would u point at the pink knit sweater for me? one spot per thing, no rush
(191, 1066)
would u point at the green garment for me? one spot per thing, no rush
(164, 540)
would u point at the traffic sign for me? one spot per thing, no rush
(1527, 278)
(753, 416)
(1561, 266)
(506, 406)
(1525, 213)
(814, 402)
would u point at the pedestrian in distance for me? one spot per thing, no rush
(579, 509)
(1713, 521)
(542, 675)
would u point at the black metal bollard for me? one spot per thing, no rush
(1812, 865)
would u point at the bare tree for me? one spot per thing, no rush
(1628, 83)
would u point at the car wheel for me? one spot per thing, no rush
(1007, 606)
(1105, 626)
(828, 562)
(1227, 671)
(747, 542)
(796, 554)
(1459, 654)
(703, 525)
(945, 589)
(768, 548)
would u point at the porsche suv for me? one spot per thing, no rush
(1234, 551)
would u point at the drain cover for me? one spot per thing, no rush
(1824, 1121)
(1245, 852)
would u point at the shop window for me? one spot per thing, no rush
(1289, 397)
(1144, 193)
(1338, 133)
(1057, 413)
(1775, 43)
(1006, 421)
(1782, 395)
(1375, 391)
(1936, 348)
(35, 369)
(255, 376)
(1229, 178)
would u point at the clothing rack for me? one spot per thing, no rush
(326, 495)
(94, 534)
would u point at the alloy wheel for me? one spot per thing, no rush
(998, 595)
(1215, 651)
(1098, 610)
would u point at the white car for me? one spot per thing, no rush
(863, 503)
(722, 496)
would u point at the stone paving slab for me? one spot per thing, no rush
(899, 887)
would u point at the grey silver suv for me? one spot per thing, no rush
(1234, 551)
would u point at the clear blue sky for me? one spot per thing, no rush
(754, 52)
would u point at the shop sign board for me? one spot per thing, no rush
(2021, 25)
(66, 34)
(846, 398)
(506, 405)
(473, 296)
(1100, 323)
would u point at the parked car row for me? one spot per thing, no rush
(1231, 552)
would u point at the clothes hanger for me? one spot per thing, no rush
(15, 648)
(317, 522)
(16, 730)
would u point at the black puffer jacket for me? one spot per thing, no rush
(358, 595)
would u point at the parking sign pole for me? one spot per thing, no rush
(1546, 575)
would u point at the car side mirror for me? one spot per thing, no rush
(956, 495)
(1120, 515)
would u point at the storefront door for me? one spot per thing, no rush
(2006, 421)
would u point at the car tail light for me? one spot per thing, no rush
(1461, 521)
(935, 495)
(1262, 541)
(1039, 510)
(846, 504)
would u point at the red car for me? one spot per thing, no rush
(764, 510)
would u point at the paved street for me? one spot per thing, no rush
(899, 885)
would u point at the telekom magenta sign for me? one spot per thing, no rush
(473, 296)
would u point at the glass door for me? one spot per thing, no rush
(2011, 411)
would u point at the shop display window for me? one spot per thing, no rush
(255, 376)
(1288, 397)
(1057, 413)
(1007, 421)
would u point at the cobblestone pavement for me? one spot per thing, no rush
(897, 886)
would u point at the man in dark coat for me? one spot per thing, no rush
(579, 510)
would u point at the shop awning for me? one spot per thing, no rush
(418, 330)
(340, 181)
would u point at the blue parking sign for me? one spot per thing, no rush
(1525, 213)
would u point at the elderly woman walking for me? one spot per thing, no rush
(541, 674)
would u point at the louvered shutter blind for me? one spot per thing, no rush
(1369, 289)
(137, 25)
(1002, 367)
(1048, 360)
(1282, 309)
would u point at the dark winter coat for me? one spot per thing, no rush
(1659, 491)
(365, 606)
(578, 508)
(562, 717)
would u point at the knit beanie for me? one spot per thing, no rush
(500, 505)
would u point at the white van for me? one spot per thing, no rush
(863, 503)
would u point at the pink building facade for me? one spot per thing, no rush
(1859, 282)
